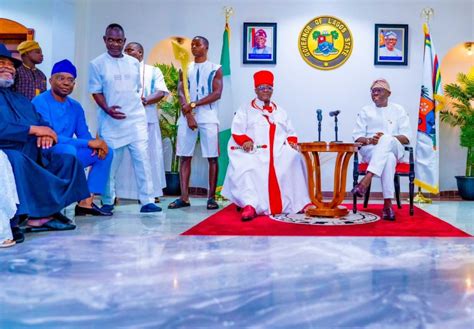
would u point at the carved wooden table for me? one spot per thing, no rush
(311, 154)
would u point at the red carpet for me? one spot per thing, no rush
(227, 222)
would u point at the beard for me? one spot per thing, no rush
(6, 83)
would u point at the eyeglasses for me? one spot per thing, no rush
(264, 88)
(62, 78)
(377, 90)
(6, 62)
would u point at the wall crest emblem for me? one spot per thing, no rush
(325, 42)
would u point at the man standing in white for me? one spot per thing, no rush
(114, 83)
(152, 91)
(199, 115)
(382, 129)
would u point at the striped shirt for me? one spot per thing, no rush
(29, 82)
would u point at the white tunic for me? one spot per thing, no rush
(391, 120)
(200, 78)
(152, 81)
(247, 178)
(118, 79)
(8, 197)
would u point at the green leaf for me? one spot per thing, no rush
(170, 109)
(461, 114)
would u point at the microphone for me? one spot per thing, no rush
(319, 115)
(334, 114)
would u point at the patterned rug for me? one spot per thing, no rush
(364, 223)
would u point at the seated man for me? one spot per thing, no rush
(382, 129)
(67, 118)
(266, 174)
(46, 183)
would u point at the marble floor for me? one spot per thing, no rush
(135, 271)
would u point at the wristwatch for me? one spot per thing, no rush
(193, 105)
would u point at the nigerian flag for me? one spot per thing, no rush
(226, 109)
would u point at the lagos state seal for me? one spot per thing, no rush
(325, 42)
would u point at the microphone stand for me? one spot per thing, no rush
(335, 127)
(320, 118)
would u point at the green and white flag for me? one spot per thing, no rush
(226, 108)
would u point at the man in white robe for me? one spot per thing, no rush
(266, 173)
(114, 83)
(382, 128)
(152, 91)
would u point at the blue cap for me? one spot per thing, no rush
(5, 53)
(64, 66)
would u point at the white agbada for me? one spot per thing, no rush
(118, 79)
(152, 82)
(382, 158)
(247, 178)
(8, 197)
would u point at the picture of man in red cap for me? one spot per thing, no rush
(260, 41)
(266, 173)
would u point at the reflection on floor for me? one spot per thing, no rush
(135, 271)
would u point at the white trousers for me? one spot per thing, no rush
(382, 159)
(141, 165)
(126, 187)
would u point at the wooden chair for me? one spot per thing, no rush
(402, 169)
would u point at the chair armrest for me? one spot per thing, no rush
(411, 157)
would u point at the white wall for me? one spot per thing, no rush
(53, 22)
(299, 88)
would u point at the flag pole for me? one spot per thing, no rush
(228, 11)
(225, 58)
(426, 13)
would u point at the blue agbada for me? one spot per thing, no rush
(46, 183)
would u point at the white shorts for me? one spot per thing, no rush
(209, 140)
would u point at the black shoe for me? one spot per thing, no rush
(18, 235)
(388, 213)
(52, 225)
(94, 211)
(63, 218)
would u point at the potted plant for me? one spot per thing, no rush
(170, 113)
(461, 114)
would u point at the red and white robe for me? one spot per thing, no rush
(272, 178)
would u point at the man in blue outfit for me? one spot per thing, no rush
(66, 116)
(46, 183)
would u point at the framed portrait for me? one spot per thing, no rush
(391, 44)
(260, 43)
